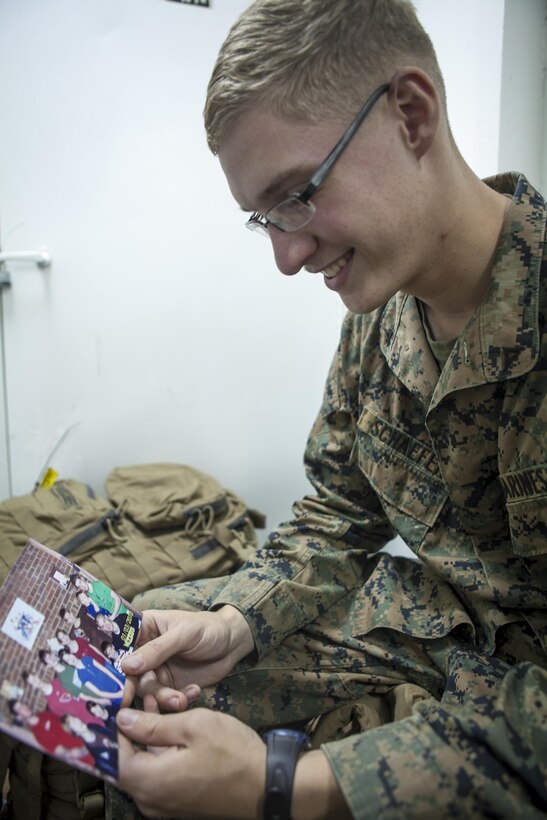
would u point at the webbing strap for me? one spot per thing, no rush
(6, 751)
(233, 541)
(34, 783)
(92, 805)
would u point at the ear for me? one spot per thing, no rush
(413, 96)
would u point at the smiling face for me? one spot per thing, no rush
(104, 623)
(98, 711)
(373, 232)
(72, 660)
(74, 724)
(69, 618)
(22, 710)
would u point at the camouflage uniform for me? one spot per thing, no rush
(454, 462)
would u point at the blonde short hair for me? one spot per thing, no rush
(313, 59)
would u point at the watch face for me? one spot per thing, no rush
(290, 734)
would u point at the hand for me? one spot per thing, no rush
(204, 764)
(178, 649)
(209, 765)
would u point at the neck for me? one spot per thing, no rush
(464, 247)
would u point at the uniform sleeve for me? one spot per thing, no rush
(310, 562)
(479, 752)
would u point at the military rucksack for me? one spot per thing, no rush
(159, 524)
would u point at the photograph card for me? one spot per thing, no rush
(63, 635)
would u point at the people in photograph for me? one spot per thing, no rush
(121, 631)
(104, 599)
(78, 646)
(101, 678)
(80, 625)
(98, 741)
(103, 712)
(90, 606)
(69, 678)
(10, 690)
(115, 656)
(50, 659)
(71, 619)
(59, 701)
(48, 731)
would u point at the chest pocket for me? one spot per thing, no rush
(526, 498)
(404, 473)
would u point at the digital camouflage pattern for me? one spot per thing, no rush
(479, 752)
(454, 462)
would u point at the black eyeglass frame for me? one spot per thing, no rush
(258, 221)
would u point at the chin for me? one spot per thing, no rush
(357, 303)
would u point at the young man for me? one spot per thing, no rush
(432, 426)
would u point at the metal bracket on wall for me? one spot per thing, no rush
(41, 258)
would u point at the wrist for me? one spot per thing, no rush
(241, 636)
(284, 749)
(316, 793)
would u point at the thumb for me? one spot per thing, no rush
(153, 729)
(151, 655)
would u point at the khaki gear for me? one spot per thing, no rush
(367, 712)
(159, 524)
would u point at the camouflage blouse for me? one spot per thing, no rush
(452, 461)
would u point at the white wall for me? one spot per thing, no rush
(468, 37)
(523, 131)
(493, 56)
(163, 330)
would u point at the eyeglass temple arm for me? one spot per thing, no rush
(341, 145)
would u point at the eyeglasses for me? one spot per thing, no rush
(296, 210)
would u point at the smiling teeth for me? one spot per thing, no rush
(331, 270)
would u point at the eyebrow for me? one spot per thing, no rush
(280, 183)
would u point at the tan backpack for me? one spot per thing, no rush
(160, 524)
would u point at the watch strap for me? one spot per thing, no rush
(284, 748)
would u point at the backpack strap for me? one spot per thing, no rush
(92, 804)
(34, 784)
(233, 541)
(29, 799)
(6, 751)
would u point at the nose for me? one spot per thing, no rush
(291, 250)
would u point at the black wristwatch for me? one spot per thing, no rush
(284, 747)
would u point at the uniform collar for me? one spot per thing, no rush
(501, 340)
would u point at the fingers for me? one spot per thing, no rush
(148, 777)
(185, 754)
(130, 690)
(131, 763)
(171, 700)
(157, 696)
(152, 729)
(147, 632)
(126, 750)
(153, 654)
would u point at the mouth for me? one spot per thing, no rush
(335, 267)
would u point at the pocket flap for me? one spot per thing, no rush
(403, 470)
